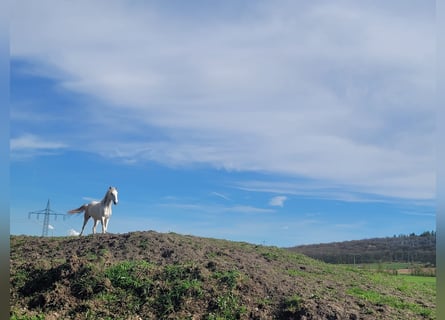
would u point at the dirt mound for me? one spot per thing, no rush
(148, 275)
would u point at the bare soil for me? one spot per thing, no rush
(150, 275)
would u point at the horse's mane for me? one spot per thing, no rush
(110, 189)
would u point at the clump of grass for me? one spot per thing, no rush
(270, 256)
(228, 278)
(291, 308)
(87, 282)
(163, 289)
(34, 317)
(228, 304)
(293, 304)
(130, 275)
(176, 283)
(227, 307)
(296, 273)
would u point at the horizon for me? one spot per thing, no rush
(286, 124)
(191, 235)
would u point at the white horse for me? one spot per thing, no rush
(98, 210)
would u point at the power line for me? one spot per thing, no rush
(47, 212)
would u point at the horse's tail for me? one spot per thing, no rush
(79, 210)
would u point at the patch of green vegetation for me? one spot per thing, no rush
(291, 307)
(411, 285)
(211, 255)
(19, 278)
(264, 302)
(87, 282)
(378, 298)
(163, 289)
(143, 244)
(58, 261)
(296, 273)
(293, 304)
(387, 265)
(91, 256)
(422, 280)
(104, 252)
(108, 297)
(270, 256)
(175, 284)
(227, 306)
(130, 275)
(83, 311)
(228, 278)
(271, 253)
(35, 317)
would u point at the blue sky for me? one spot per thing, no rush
(282, 123)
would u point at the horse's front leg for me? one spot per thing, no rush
(103, 220)
(106, 224)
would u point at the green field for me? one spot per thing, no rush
(390, 265)
(427, 281)
(400, 268)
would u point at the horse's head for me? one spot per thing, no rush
(112, 191)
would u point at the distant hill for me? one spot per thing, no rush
(403, 248)
(150, 275)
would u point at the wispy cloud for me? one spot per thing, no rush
(29, 145)
(247, 209)
(277, 201)
(331, 191)
(208, 208)
(33, 142)
(419, 213)
(354, 225)
(220, 195)
(336, 92)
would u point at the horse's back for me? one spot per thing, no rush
(97, 210)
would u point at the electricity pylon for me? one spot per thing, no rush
(46, 213)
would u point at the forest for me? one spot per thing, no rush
(398, 248)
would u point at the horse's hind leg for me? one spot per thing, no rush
(85, 220)
(94, 226)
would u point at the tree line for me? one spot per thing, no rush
(399, 248)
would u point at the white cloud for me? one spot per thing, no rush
(90, 199)
(33, 142)
(341, 92)
(72, 232)
(277, 201)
